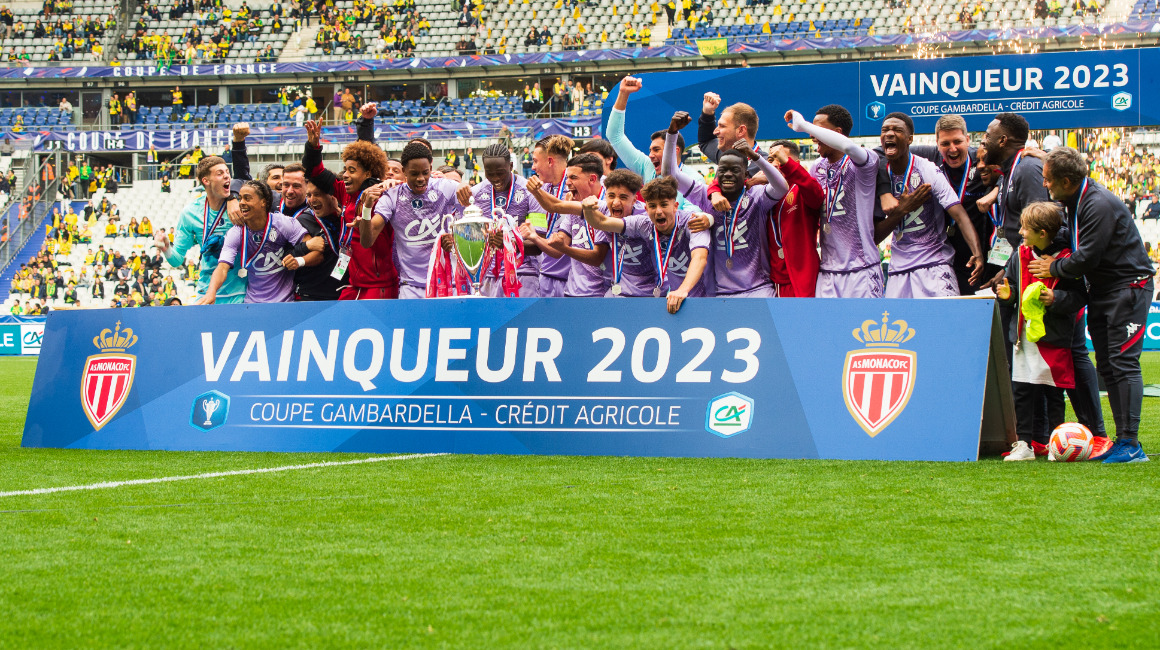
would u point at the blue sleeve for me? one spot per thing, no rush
(632, 157)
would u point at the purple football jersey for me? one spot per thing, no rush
(638, 274)
(266, 279)
(549, 266)
(639, 227)
(848, 213)
(417, 220)
(585, 280)
(920, 240)
(749, 267)
(517, 202)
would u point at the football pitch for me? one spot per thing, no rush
(568, 552)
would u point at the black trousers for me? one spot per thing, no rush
(1085, 397)
(1117, 319)
(1032, 420)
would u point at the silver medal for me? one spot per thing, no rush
(242, 273)
(616, 289)
(656, 292)
(781, 253)
(826, 228)
(729, 263)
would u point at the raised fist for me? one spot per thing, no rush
(680, 120)
(712, 101)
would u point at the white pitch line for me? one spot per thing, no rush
(237, 472)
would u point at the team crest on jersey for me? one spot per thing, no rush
(745, 203)
(431, 195)
(519, 196)
(417, 204)
(108, 376)
(500, 201)
(877, 381)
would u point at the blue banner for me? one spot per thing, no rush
(21, 335)
(853, 379)
(1053, 91)
(216, 139)
(687, 49)
(1151, 332)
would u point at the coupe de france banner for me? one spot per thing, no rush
(847, 379)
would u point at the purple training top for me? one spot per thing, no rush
(750, 266)
(549, 266)
(920, 240)
(266, 279)
(639, 271)
(585, 280)
(417, 220)
(849, 212)
(522, 203)
(639, 228)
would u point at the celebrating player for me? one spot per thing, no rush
(415, 212)
(371, 271)
(256, 248)
(203, 223)
(850, 264)
(741, 250)
(574, 238)
(508, 193)
(920, 254)
(679, 254)
(549, 160)
(317, 275)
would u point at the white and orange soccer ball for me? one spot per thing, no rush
(1070, 442)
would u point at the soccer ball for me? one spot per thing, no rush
(1070, 442)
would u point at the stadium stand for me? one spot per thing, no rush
(64, 30)
(233, 33)
(68, 257)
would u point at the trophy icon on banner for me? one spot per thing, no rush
(209, 406)
(470, 234)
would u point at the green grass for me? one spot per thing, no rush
(480, 552)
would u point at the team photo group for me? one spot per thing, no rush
(977, 214)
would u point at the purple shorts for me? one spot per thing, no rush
(412, 291)
(866, 283)
(764, 291)
(529, 287)
(551, 287)
(929, 282)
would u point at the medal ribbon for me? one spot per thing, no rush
(777, 224)
(207, 228)
(996, 221)
(508, 202)
(325, 233)
(1075, 217)
(559, 193)
(963, 184)
(617, 259)
(662, 258)
(906, 175)
(248, 259)
(731, 225)
(346, 234)
(832, 196)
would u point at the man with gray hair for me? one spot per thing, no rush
(1106, 250)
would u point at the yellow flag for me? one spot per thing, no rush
(712, 46)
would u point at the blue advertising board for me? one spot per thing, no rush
(21, 335)
(1092, 88)
(853, 379)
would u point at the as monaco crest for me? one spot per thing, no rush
(108, 376)
(877, 382)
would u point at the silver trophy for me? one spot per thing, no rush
(209, 406)
(470, 233)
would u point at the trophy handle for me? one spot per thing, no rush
(448, 221)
